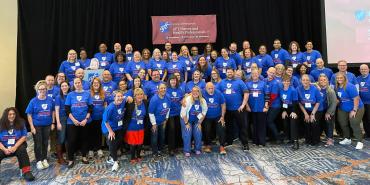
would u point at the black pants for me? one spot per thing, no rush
(312, 130)
(95, 135)
(74, 133)
(272, 114)
(174, 138)
(114, 144)
(240, 119)
(291, 127)
(366, 120)
(135, 151)
(22, 156)
(259, 128)
(209, 125)
(41, 142)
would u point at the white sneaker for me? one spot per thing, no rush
(100, 154)
(345, 141)
(359, 146)
(110, 160)
(45, 164)
(115, 166)
(91, 154)
(39, 165)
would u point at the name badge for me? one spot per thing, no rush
(11, 141)
(139, 122)
(103, 64)
(285, 106)
(224, 70)
(188, 68)
(307, 105)
(295, 65)
(160, 71)
(77, 64)
(249, 70)
(120, 123)
(255, 94)
(309, 65)
(228, 91)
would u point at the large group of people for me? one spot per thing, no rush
(187, 100)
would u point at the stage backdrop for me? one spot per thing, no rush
(184, 29)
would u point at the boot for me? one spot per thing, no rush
(60, 155)
(295, 145)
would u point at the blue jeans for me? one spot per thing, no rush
(62, 133)
(157, 138)
(271, 116)
(188, 133)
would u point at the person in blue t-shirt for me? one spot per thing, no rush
(156, 63)
(159, 112)
(105, 58)
(295, 55)
(194, 54)
(52, 90)
(80, 74)
(84, 61)
(351, 78)
(40, 116)
(289, 99)
(151, 87)
(192, 115)
(311, 56)
(364, 81)
(293, 79)
(109, 86)
(350, 110)
(279, 55)
(302, 69)
(175, 94)
(309, 102)
(320, 69)
(128, 52)
(196, 81)
(137, 83)
(78, 107)
(224, 62)
(118, 68)
(215, 118)
(233, 53)
(236, 96)
(13, 136)
(113, 128)
(133, 67)
(176, 65)
(69, 66)
(61, 120)
(215, 77)
(204, 68)
(187, 60)
(258, 101)
(265, 60)
(248, 60)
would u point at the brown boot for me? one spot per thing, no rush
(60, 155)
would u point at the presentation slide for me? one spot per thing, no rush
(348, 30)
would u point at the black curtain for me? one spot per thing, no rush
(47, 29)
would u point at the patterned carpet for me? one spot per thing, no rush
(261, 165)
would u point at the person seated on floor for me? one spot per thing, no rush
(13, 135)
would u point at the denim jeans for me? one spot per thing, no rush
(157, 138)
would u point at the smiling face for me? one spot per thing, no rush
(364, 70)
(214, 54)
(83, 54)
(262, 50)
(106, 76)
(137, 56)
(11, 116)
(72, 55)
(305, 81)
(173, 83)
(342, 66)
(224, 53)
(77, 83)
(303, 69)
(41, 90)
(319, 63)
(64, 87)
(141, 73)
(247, 53)
(128, 48)
(118, 98)
(117, 47)
(230, 73)
(194, 51)
(340, 79)
(195, 92)
(174, 56)
(96, 84)
(162, 90)
(196, 76)
(202, 61)
(277, 44)
(122, 85)
(156, 76)
(323, 81)
(286, 83)
(137, 83)
(309, 45)
(102, 48)
(79, 73)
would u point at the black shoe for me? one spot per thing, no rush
(85, 161)
(295, 145)
(70, 164)
(245, 147)
(172, 153)
(28, 177)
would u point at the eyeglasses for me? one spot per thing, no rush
(43, 89)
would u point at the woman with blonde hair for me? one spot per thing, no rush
(185, 57)
(351, 109)
(192, 116)
(156, 63)
(70, 65)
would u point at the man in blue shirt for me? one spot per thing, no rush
(364, 82)
(234, 54)
(279, 55)
(151, 87)
(105, 58)
(351, 78)
(129, 54)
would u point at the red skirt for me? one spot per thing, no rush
(135, 137)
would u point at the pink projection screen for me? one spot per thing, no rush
(348, 30)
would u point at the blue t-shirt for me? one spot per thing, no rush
(310, 58)
(85, 63)
(9, 137)
(351, 78)
(206, 73)
(317, 72)
(308, 98)
(195, 109)
(59, 101)
(257, 92)
(41, 111)
(113, 114)
(105, 59)
(52, 93)
(151, 88)
(98, 108)
(364, 88)
(69, 68)
(299, 77)
(159, 65)
(109, 87)
(79, 102)
(188, 63)
(118, 71)
(346, 97)
(288, 97)
(247, 63)
(175, 96)
(214, 103)
(280, 56)
(221, 65)
(236, 57)
(266, 62)
(296, 59)
(159, 107)
(324, 100)
(85, 85)
(189, 86)
(137, 119)
(233, 91)
(176, 67)
(294, 81)
(133, 68)
(273, 87)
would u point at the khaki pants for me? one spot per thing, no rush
(343, 118)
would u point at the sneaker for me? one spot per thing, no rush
(207, 149)
(187, 154)
(245, 148)
(45, 163)
(198, 152)
(345, 141)
(71, 164)
(100, 154)
(359, 146)
(222, 150)
(39, 165)
(91, 154)
(110, 160)
(115, 166)
(28, 176)
(329, 142)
